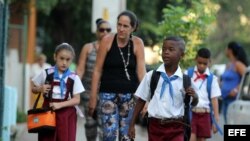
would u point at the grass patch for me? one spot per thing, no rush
(21, 116)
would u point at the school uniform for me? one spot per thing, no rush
(201, 120)
(165, 111)
(66, 118)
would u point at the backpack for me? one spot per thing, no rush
(186, 83)
(50, 78)
(190, 72)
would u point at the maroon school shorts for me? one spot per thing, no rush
(168, 131)
(201, 124)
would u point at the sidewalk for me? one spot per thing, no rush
(23, 135)
(141, 132)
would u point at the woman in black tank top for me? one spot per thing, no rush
(120, 66)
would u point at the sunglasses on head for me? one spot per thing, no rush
(103, 29)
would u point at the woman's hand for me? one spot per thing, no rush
(233, 93)
(92, 105)
(131, 132)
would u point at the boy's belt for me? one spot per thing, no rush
(167, 120)
(201, 110)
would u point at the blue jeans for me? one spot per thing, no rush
(116, 110)
(225, 104)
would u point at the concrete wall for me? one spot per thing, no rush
(17, 75)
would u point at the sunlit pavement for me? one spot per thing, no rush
(141, 132)
(23, 135)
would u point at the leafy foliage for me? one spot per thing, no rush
(233, 21)
(191, 23)
(46, 6)
(66, 21)
(147, 21)
(194, 20)
(21, 116)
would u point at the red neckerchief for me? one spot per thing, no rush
(200, 76)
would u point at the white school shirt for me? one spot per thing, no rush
(164, 107)
(200, 87)
(77, 87)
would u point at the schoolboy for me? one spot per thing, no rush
(201, 118)
(166, 107)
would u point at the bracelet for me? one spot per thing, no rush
(235, 90)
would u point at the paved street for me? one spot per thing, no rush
(23, 135)
(141, 132)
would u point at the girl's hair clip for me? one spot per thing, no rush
(65, 44)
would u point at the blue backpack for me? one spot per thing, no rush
(190, 72)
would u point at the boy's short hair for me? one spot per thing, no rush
(181, 41)
(204, 53)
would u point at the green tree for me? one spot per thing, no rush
(149, 14)
(64, 21)
(233, 21)
(45, 6)
(146, 11)
(192, 22)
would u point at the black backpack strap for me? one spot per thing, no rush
(154, 81)
(153, 84)
(69, 85)
(186, 84)
(49, 80)
(36, 102)
(49, 77)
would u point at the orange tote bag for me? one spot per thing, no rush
(40, 119)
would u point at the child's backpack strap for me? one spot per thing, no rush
(209, 87)
(187, 131)
(186, 84)
(70, 85)
(153, 84)
(190, 72)
(154, 81)
(49, 80)
(49, 75)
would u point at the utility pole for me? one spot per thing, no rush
(3, 43)
(31, 31)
